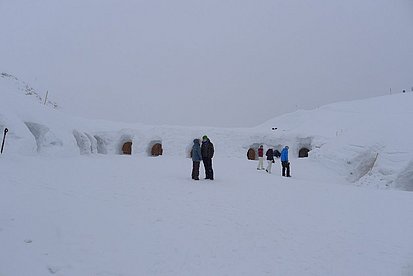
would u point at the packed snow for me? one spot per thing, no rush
(72, 204)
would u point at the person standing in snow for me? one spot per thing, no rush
(196, 159)
(207, 151)
(277, 154)
(284, 161)
(260, 158)
(270, 159)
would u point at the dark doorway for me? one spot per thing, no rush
(156, 149)
(251, 155)
(303, 153)
(127, 148)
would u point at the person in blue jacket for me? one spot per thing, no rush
(196, 159)
(284, 161)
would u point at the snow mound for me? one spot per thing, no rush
(43, 136)
(368, 142)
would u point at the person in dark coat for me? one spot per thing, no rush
(270, 159)
(207, 151)
(284, 161)
(196, 159)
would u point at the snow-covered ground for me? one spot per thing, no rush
(71, 204)
(122, 215)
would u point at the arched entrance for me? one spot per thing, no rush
(251, 154)
(127, 148)
(156, 149)
(303, 153)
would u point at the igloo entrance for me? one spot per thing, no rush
(127, 148)
(251, 154)
(156, 149)
(303, 153)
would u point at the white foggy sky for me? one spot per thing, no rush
(212, 63)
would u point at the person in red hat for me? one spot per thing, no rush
(260, 158)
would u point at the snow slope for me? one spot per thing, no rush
(70, 204)
(368, 142)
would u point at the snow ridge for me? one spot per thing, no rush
(27, 89)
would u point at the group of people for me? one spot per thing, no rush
(203, 153)
(271, 154)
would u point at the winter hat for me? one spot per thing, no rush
(205, 137)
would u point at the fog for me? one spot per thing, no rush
(210, 63)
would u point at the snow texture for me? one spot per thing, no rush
(355, 139)
(71, 204)
(134, 215)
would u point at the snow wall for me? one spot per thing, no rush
(355, 139)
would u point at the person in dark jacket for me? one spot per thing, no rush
(196, 159)
(260, 158)
(284, 161)
(270, 159)
(207, 151)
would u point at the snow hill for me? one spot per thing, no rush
(366, 142)
(12, 83)
(72, 204)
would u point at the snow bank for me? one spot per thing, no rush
(366, 142)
